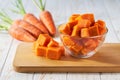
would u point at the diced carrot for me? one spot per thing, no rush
(62, 50)
(89, 17)
(76, 31)
(65, 29)
(73, 17)
(76, 48)
(43, 39)
(72, 24)
(94, 31)
(35, 45)
(78, 18)
(84, 32)
(68, 41)
(53, 53)
(41, 51)
(52, 43)
(84, 23)
(89, 44)
(101, 26)
(84, 51)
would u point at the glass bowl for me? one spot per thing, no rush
(82, 47)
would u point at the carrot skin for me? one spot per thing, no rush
(46, 18)
(29, 27)
(30, 18)
(20, 34)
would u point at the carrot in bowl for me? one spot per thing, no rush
(46, 17)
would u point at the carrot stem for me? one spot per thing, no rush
(3, 27)
(40, 5)
(5, 18)
(19, 7)
(6, 21)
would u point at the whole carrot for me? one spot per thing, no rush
(46, 17)
(21, 34)
(15, 31)
(30, 18)
(34, 21)
(29, 27)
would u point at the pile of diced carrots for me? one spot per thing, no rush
(45, 46)
(80, 31)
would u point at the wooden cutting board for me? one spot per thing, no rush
(107, 59)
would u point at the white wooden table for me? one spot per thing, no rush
(107, 10)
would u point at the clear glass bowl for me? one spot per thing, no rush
(82, 47)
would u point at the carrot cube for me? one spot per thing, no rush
(72, 24)
(78, 18)
(84, 51)
(73, 17)
(43, 39)
(65, 29)
(41, 51)
(52, 43)
(84, 23)
(53, 53)
(76, 48)
(68, 41)
(101, 26)
(76, 31)
(90, 44)
(89, 17)
(62, 50)
(84, 32)
(35, 45)
(94, 31)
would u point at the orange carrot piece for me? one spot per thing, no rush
(47, 19)
(89, 17)
(30, 18)
(84, 32)
(89, 45)
(41, 51)
(101, 26)
(30, 28)
(53, 43)
(78, 18)
(43, 39)
(76, 48)
(73, 17)
(94, 31)
(62, 50)
(84, 23)
(72, 24)
(65, 29)
(53, 53)
(76, 31)
(20, 34)
(68, 41)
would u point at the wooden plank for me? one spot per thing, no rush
(8, 72)
(83, 76)
(112, 9)
(5, 43)
(112, 12)
(103, 61)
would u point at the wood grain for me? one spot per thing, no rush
(105, 60)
